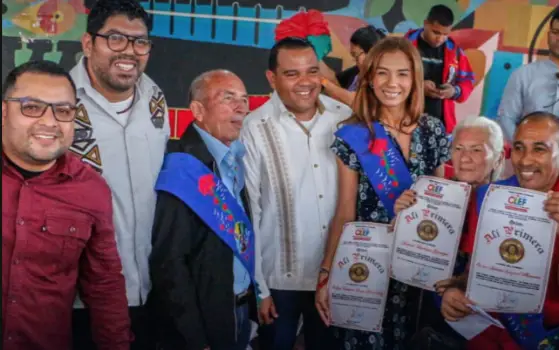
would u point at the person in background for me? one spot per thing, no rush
(289, 174)
(534, 86)
(478, 158)
(388, 118)
(57, 221)
(201, 272)
(447, 71)
(342, 86)
(121, 130)
(535, 160)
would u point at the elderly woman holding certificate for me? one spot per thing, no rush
(381, 150)
(535, 160)
(478, 159)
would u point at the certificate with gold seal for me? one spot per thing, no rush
(359, 278)
(427, 234)
(512, 254)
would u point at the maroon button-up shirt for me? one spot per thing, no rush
(58, 237)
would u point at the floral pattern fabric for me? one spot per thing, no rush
(429, 149)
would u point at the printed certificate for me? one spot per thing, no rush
(427, 234)
(512, 253)
(359, 277)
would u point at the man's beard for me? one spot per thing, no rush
(113, 83)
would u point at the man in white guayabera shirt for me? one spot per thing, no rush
(291, 176)
(533, 87)
(121, 129)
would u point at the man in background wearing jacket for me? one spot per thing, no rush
(447, 72)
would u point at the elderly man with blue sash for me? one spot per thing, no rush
(535, 159)
(202, 262)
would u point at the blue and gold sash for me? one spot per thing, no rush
(382, 161)
(528, 330)
(187, 178)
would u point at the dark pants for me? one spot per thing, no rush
(243, 328)
(433, 332)
(143, 333)
(282, 334)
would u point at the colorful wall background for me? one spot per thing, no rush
(192, 36)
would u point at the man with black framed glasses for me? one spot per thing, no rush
(122, 130)
(57, 229)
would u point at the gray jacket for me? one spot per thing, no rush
(129, 154)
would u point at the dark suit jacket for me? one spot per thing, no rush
(191, 269)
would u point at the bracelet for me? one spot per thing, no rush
(322, 283)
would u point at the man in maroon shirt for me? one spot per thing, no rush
(57, 230)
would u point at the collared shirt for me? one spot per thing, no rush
(230, 166)
(291, 179)
(57, 234)
(530, 88)
(129, 153)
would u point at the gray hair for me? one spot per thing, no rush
(495, 141)
(198, 87)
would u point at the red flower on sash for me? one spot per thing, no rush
(206, 184)
(378, 146)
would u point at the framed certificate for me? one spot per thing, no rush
(427, 234)
(512, 254)
(359, 276)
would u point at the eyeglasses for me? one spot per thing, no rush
(34, 108)
(119, 42)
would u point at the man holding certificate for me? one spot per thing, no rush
(535, 159)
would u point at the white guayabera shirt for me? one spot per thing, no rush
(291, 178)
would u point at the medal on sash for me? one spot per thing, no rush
(193, 183)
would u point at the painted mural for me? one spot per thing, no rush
(191, 36)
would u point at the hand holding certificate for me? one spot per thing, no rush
(359, 276)
(427, 234)
(512, 251)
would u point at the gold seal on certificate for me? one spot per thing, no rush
(427, 230)
(359, 278)
(511, 250)
(358, 272)
(427, 234)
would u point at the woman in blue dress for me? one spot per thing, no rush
(389, 107)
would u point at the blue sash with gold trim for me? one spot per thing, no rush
(187, 178)
(528, 330)
(386, 169)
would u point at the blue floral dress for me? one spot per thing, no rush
(429, 149)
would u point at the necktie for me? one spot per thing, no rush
(233, 172)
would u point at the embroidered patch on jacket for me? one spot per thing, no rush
(85, 145)
(157, 108)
